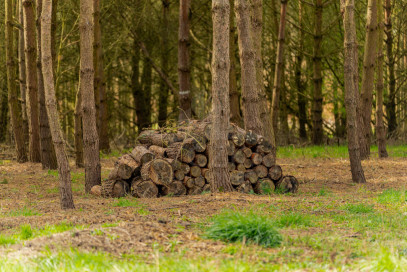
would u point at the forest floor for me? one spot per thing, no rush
(330, 224)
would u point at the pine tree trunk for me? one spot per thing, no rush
(135, 83)
(144, 111)
(78, 130)
(163, 95)
(391, 99)
(184, 62)
(32, 84)
(48, 157)
(90, 134)
(366, 94)
(351, 91)
(278, 73)
(317, 107)
(15, 110)
(218, 159)
(380, 128)
(63, 164)
(235, 116)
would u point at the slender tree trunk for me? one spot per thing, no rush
(317, 107)
(78, 131)
(278, 73)
(48, 157)
(137, 92)
(380, 128)
(235, 116)
(22, 73)
(100, 84)
(184, 62)
(257, 31)
(15, 110)
(32, 84)
(163, 95)
(90, 134)
(351, 90)
(301, 98)
(63, 164)
(144, 112)
(218, 159)
(366, 95)
(53, 36)
(391, 99)
(3, 116)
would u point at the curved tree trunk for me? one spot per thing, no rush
(32, 84)
(366, 94)
(15, 110)
(351, 91)
(90, 134)
(218, 159)
(380, 128)
(63, 164)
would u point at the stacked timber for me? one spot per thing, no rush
(175, 163)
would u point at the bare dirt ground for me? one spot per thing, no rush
(165, 222)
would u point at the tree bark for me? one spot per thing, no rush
(366, 94)
(218, 159)
(90, 134)
(164, 90)
(391, 99)
(32, 83)
(380, 128)
(317, 107)
(78, 130)
(351, 91)
(48, 156)
(278, 73)
(15, 110)
(63, 164)
(184, 62)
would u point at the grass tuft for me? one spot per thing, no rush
(392, 196)
(233, 226)
(294, 220)
(24, 211)
(26, 232)
(126, 202)
(6, 240)
(359, 208)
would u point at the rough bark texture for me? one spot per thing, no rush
(21, 70)
(218, 159)
(48, 157)
(366, 94)
(32, 84)
(184, 61)
(15, 110)
(380, 128)
(90, 134)
(317, 128)
(279, 70)
(351, 91)
(391, 99)
(78, 130)
(56, 132)
(163, 94)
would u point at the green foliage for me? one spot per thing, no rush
(294, 219)
(392, 196)
(26, 232)
(6, 240)
(234, 226)
(5, 181)
(323, 192)
(126, 202)
(24, 211)
(53, 173)
(359, 208)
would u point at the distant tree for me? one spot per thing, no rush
(90, 134)
(65, 188)
(351, 90)
(218, 158)
(164, 89)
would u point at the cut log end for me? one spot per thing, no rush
(287, 184)
(143, 189)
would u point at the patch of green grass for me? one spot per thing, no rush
(24, 211)
(5, 181)
(109, 225)
(323, 192)
(252, 228)
(266, 188)
(359, 208)
(294, 219)
(126, 202)
(26, 232)
(392, 196)
(7, 240)
(77, 177)
(53, 173)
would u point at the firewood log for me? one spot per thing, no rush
(188, 182)
(261, 171)
(238, 139)
(176, 188)
(153, 137)
(239, 156)
(241, 167)
(185, 168)
(114, 188)
(183, 151)
(179, 175)
(237, 177)
(207, 188)
(231, 149)
(159, 171)
(247, 151)
(263, 186)
(157, 150)
(268, 160)
(231, 166)
(120, 189)
(199, 181)
(248, 163)
(245, 187)
(251, 176)
(200, 160)
(195, 171)
(275, 172)
(96, 190)
(143, 188)
(257, 158)
(287, 184)
(125, 168)
(264, 147)
(250, 138)
(195, 190)
(142, 155)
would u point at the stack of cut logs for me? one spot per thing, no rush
(175, 163)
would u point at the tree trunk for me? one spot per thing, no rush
(32, 84)
(78, 131)
(135, 81)
(278, 73)
(218, 159)
(3, 115)
(63, 164)
(144, 111)
(317, 107)
(100, 84)
(163, 94)
(235, 116)
(391, 99)
(351, 90)
(380, 128)
(15, 110)
(184, 62)
(90, 134)
(366, 94)
(48, 157)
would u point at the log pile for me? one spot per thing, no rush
(176, 163)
